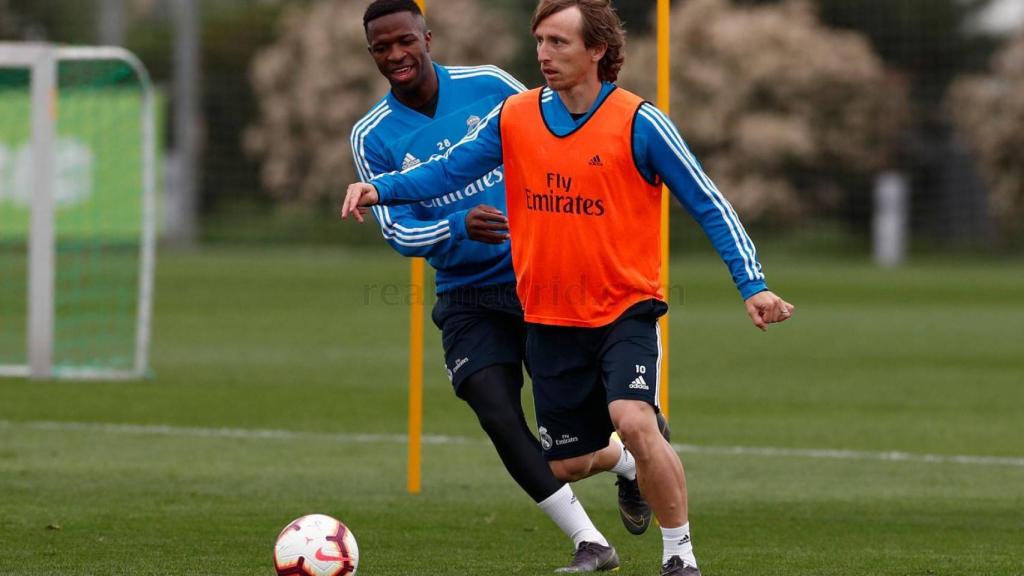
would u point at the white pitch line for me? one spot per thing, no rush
(242, 433)
(272, 434)
(852, 455)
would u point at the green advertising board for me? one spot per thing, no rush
(98, 164)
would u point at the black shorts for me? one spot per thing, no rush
(480, 327)
(577, 372)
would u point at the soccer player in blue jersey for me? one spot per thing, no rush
(430, 108)
(584, 162)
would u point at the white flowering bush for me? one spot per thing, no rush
(989, 110)
(318, 79)
(784, 112)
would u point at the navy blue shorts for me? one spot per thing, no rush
(577, 372)
(480, 326)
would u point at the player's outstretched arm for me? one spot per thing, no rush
(766, 308)
(358, 194)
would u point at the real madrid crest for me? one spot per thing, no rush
(545, 438)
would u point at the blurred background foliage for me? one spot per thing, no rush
(988, 109)
(317, 80)
(791, 117)
(794, 107)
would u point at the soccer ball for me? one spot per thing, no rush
(316, 545)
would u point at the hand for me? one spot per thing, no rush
(358, 194)
(487, 224)
(766, 308)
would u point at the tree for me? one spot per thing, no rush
(317, 80)
(927, 40)
(64, 21)
(784, 111)
(989, 110)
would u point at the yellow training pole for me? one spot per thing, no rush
(663, 103)
(416, 303)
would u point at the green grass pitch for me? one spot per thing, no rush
(280, 391)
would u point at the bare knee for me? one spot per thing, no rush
(572, 469)
(637, 426)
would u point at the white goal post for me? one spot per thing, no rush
(61, 170)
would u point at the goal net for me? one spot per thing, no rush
(77, 212)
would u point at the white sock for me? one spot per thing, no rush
(569, 515)
(626, 466)
(677, 543)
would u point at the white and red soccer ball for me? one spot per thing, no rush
(316, 545)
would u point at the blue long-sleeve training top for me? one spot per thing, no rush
(660, 153)
(392, 136)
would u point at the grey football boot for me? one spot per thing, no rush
(592, 557)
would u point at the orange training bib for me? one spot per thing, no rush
(585, 224)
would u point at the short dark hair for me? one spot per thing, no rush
(379, 8)
(601, 25)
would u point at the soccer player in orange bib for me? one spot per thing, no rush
(584, 163)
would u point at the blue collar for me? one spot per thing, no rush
(558, 118)
(443, 82)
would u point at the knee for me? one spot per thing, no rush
(638, 430)
(571, 469)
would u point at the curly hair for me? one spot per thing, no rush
(601, 27)
(381, 8)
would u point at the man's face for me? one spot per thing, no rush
(564, 59)
(400, 46)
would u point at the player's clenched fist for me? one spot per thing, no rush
(487, 224)
(766, 308)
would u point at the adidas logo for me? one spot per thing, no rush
(409, 161)
(596, 161)
(684, 540)
(639, 384)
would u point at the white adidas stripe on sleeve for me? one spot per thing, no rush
(402, 235)
(744, 245)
